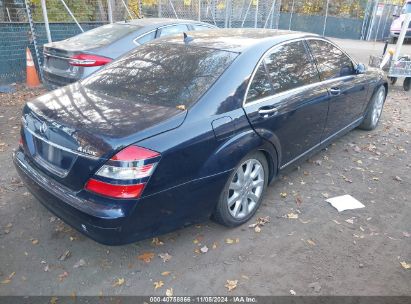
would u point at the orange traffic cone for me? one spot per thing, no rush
(32, 80)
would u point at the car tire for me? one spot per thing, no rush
(241, 197)
(407, 84)
(374, 112)
(392, 40)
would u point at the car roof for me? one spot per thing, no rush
(236, 40)
(158, 21)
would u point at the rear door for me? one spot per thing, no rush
(286, 103)
(347, 89)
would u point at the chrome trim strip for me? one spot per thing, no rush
(55, 56)
(295, 89)
(61, 147)
(320, 143)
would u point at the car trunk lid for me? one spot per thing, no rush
(69, 133)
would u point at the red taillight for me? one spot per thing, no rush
(21, 141)
(125, 174)
(87, 60)
(134, 153)
(112, 190)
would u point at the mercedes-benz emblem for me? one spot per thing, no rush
(43, 128)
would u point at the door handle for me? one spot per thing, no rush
(267, 111)
(335, 91)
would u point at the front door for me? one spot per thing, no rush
(286, 103)
(347, 89)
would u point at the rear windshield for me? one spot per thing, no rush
(103, 35)
(162, 74)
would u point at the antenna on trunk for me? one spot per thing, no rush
(187, 38)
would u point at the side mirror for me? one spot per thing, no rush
(360, 68)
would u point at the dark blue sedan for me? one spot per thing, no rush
(190, 127)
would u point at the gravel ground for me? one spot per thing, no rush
(322, 252)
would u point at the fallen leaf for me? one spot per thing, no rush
(181, 107)
(405, 265)
(204, 249)
(169, 292)
(312, 243)
(8, 280)
(53, 300)
(304, 222)
(231, 284)
(165, 273)
(146, 257)
(406, 234)
(34, 241)
(214, 245)
(165, 257)
(63, 276)
(292, 215)
(350, 221)
(326, 195)
(118, 282)
(229, 241)
(298, 201)
(245, 277)
(257, 229)
(64, 255)
(292, 292)
(397, 178)
(283, 194)
(79, 263)
(156, 241)
(158, 284)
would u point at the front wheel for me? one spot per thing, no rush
(373, 115)
(243, 192)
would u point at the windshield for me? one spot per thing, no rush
(103, 35)
(407, 8)
(162, 74)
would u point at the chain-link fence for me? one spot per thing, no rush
(23, 22)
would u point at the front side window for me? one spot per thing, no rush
(289, 66)
(260, 86)
(331, 61)
(173, 29)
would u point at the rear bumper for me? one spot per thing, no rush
(127, 221)
(397, 34)
(53, 81)
(100, 222)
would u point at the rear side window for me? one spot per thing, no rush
(162, 74)
(331, 61)
(147, 37)
(173, 29)
(289, 66)
(260, 86)
(200, 27)
(103, 35)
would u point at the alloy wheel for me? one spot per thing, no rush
(245, 189)
(378, 105)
